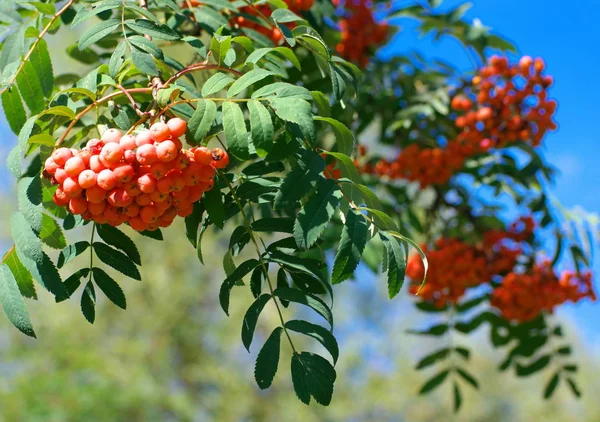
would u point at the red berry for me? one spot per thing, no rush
(146, 154)
(87, 179)
(106, 179)
(111, 136)
(177, 126)
(61, 155)
(160, 131)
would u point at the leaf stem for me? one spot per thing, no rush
(262, 262)
(35, 43)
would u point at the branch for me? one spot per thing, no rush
(199, 66)
(35, 43)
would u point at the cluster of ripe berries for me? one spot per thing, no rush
(144, 180)
(505, 104)
(456, 265)
(361, 34)
(250, 18)
(522, 297)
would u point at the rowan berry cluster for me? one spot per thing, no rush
(505, 104)
(522, 297)
(144, 180)
(361, 34)
(255, 11)
(456, 265)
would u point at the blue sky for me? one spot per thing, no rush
(566, 37)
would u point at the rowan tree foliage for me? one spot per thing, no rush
(244, 117)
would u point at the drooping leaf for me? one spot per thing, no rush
(322, 335)
(234, 126)
(261, 127)
(298, 296)
(13, 109)
(119, 240)
(42, 66)
(551, 386)
(51, 233)
(352, 243)
(216, 83)
(202, 119)
(213, 203)
(22, 276)
(30, 88)
(13, 303)
(146, 27)
(296, 111)
(240, 272)
(312, 376)
(433, 358)
(251, 318)
(109, 287)
(117, 260)
(396, 263)
(246, 80)
(434, 382)
(71, 251)
(97, 32)
(88, 302)
(267, 360)
(300, 180)
(313, 218)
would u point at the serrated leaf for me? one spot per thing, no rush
(434, 382)
(312, 375)
(13, 303)
(28, 200)
(251, 318)
(144, 62)
(261, 127)
(256, 281)
(246, 80)
(240, 272)
(300, 180)
(343, 135)
(116, 59)
(117, 260)
(146, 27)
(307, 299)
(22, 276)
(322, 335)
(267, 360)
(433, 358)
(286, 52)
(13, 161)
(283, 90)
(71, 251)
(120, 240)
(42, 66)
(234, 126)
(216, 83)
(13, 109)
(84, 14)
(280, 225)
(152, 234)
(296, 111)
(88, 302)
(51, 233)
(345, 165)
(352, 244)
(202, 119)
(213, 203)
(396, 263)
(109, 287)
(315, 215)
(72, 283)
(97, 32)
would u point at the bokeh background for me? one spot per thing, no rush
(175, 356)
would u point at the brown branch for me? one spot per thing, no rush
(36, 42)
(96, 103)
(132, 101)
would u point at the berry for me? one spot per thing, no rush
(112, 153)
(177, 127)
(78, 205)
(160, 131)
(95, 164)
(220, 158)
(111, 136)
(72, 188)
(203, 156)
(95, 194)
(146, 183)
(143, 138)
(124, 172)
(74, 166)
(61, 155)
(146, 154)
(128, 142)
(106, 179)
(166, 151)
(87, 179)
(61, 198)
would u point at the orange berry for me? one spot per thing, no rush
(87, 179)
(106, 179)
(177, 127)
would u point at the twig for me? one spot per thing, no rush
(36, 42)
(200, 66)
(132, 101)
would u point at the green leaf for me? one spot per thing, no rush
(537, 365)
(42, 66)
(51, 233)
(152, 234)
(251, 318)
(213, 203)
(434, 330)
(285, 16)
(457, 397)
(283, 90)
(84, 14)
(298, 296)
(144, 62)
(267, 360)
(396, 263)
(13, 303)
(261, 127)
(352, 244)
(343, 135)
(13, 109)
(88, 302)
(573, 387)
(202, 119)
(109, 287)
(322, 335)
(256, 281)
(29, 251)
(219, 46)
(468, 377)
(146, 45)
(433, 358)
(551, 386)
(240, 272)
(246, 80)
(97, 32)
(119, 240)
(117, 260)
(313, 218)
(286, 52)
(146, 27)
(434, 382)
(13, 161)
(72, 283)
(346, 166)
(234, 127)
(72, 251)
(313, 376)
(29, 199)
(300, 180)
(216, 83)
(296, 111)
(281, 225)
(116, 59)
(305, 265)
(22, 276)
